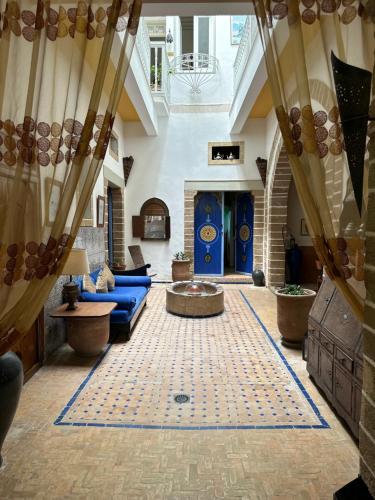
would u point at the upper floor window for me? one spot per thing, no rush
(197, 34)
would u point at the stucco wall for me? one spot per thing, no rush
(220, 89)
(179, 153)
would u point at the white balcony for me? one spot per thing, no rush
(249, 75)
(249, 35)
(194, 70)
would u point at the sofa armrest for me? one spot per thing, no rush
(133, 281)
(124, 302)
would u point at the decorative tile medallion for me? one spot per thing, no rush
(229, 367)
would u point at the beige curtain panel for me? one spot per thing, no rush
(298, 37)
(63, 67)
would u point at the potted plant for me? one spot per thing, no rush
(293, 306)
(181, 267)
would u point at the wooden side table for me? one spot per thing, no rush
(87, 326)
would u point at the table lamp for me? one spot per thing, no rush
(77, 263)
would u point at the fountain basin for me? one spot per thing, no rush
(195, 299)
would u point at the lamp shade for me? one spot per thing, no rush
(77, 262)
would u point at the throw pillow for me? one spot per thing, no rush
(87, 284)
(101, 284)
(106, 272)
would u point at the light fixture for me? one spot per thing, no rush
(77, 263)
(218, 156)
(169, 36)
(231, 157)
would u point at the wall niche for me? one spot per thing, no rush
(154, 222)
(226, 153)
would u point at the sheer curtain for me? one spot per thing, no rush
(58, 101)
(298, 37)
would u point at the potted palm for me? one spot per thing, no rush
(293, 306)
(181, 267)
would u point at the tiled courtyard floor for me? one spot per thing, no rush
(43, 460)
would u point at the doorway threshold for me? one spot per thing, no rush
(227, 279)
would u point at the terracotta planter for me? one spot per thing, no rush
(292, 316)
(181, 270)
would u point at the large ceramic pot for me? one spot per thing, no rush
(181, 270)
(292, 316)
(11, 380)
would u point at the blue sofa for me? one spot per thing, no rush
(130, 293)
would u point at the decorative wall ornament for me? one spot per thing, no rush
(100, 208)
(127, 163)
(353, 88)
(262, 168)
(237, 24)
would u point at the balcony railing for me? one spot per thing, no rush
(154, 60)
(144, 47)
(249, 34)
(194, 69)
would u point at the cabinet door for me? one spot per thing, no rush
(30, 349)
(343, 390)
(312, 356)
(341, 323)
(357, 396)
(326, 370)
(322, 300)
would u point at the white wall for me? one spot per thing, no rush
(179, 153)
(110, 164)
(295, 214)
(220, 89)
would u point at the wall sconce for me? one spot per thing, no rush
(127, 163)
(169, 38)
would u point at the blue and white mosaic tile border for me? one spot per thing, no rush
(321, 425)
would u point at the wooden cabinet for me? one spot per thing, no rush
(334, 355)
(343, 390)
(313, 355)
(326, 371)
(30, 349)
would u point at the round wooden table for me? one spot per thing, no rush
(87, 326)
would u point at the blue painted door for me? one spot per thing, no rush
(244, 233)
(208, 234)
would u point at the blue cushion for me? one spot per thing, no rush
(122, 281)
(124, 302)
(121, 317)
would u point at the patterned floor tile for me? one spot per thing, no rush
(229, 367)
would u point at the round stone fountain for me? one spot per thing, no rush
(195, 299)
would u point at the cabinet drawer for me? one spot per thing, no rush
(344, 360)
(326, 343)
